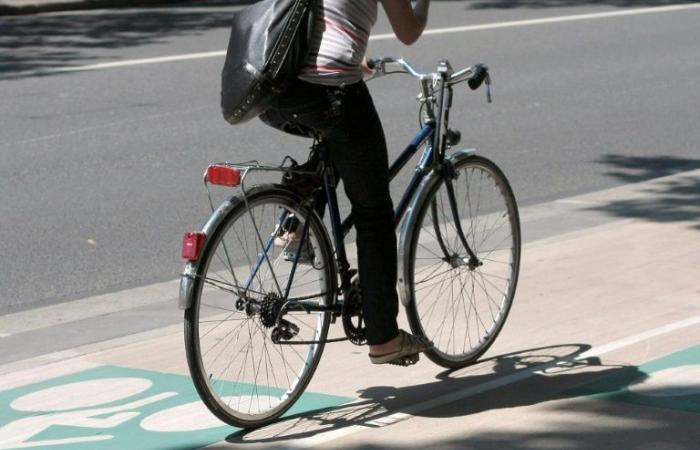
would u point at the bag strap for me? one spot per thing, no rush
(279, 54)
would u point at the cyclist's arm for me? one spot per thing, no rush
(407, 22)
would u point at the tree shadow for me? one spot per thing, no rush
(43, 42)
(583, 425)
(33, 45)
(555, 370)
(665, 200)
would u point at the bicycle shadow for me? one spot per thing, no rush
(378, 405)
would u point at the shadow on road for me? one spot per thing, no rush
(47, 41)
(671, 200)
(584, 425)
(549, 373)
(36, 43)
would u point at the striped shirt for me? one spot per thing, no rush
(339, 41)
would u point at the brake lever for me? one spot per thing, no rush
(377, 68)
(488, 87)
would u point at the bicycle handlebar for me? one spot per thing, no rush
(475, 75)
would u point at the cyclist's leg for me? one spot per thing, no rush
(349, 123)
(358, 150)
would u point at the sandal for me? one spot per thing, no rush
(290, 243)
(408, 352)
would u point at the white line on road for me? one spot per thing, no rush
(410, 411)
(577, 202)
(546, 20)
(377, 37)
(129, 62)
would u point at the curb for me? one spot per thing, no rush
(72, 5)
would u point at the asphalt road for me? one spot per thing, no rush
(100, 171)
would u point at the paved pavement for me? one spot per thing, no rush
(600, 351)
(128, 100)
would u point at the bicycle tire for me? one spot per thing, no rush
(229, 387)
(447, 285)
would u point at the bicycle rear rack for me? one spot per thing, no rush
(237, 174)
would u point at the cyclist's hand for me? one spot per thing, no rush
(366, 71)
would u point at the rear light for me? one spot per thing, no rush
(222, 175)
(192, 244)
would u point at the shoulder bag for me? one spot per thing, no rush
(268, 45)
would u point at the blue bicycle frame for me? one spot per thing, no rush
(341, 229)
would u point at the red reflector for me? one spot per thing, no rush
(224, 175)
(192, 244)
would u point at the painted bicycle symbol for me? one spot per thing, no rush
(93, 411)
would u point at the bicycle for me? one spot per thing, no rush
(258, 304)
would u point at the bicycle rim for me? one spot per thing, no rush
(461, 308)
(245, 378)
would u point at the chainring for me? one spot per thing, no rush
(353, 319)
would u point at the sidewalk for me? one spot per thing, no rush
(15, 7)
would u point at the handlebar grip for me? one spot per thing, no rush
(479, 76)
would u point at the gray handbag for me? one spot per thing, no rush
(268, 45)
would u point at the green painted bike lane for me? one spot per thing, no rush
(670, 382)
(117, 408)
(111, 407)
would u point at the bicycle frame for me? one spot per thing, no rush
(438, 109)
(341, 229)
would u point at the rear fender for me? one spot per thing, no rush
(188, 276)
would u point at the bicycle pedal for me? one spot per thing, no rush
(406, 361)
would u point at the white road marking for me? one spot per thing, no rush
(636, 338)
(117, 64)
(376, 37)
(546, 20)
(408, 412)
(577, 202)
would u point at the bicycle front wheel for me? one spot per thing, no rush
(454, 300)
(247, 365)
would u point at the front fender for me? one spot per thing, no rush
(405, 279)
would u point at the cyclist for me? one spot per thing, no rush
(331, 99)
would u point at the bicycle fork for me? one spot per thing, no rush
(448, 174)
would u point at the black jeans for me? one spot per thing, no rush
(348, 122)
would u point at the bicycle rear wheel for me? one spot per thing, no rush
(247, 369)
(461, 307)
